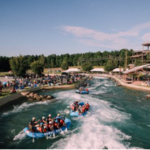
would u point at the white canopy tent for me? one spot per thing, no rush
(118, 70)
(97, 70)
(73, 70)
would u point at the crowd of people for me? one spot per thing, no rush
(46, 124)
(34, 81)
(81, 109)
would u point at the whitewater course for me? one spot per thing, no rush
(118, 118)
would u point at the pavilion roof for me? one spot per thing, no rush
(146, 44)
(73, 70)
(118, 70)
(98, 70)
(136, 69)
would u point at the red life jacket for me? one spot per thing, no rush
(39, 129)
(48, 125)
(87, 106)
(61, 121)
(44, 130)
(55, 124)
(83, 109)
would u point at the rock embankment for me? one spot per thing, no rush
(35, 96)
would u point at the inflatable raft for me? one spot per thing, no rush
(76, 113)
(39, 135)
(82, 92)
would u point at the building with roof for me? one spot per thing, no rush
(142, 55)
(138, 71)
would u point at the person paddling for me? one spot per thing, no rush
(34, 124)
(87, 106)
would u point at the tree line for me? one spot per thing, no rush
(37, 63)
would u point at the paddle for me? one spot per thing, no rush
(33, 138)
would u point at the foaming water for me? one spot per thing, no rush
(93, 131)
(113, 121)
(24, 107)
(21, 135)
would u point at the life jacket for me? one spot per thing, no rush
(48, 125)
(72, 107)
(39, 129)
(44, 130)
(33, 123)
(87, 106)
(56, 125)
(86, 89)
(61, 121)
(83, 109)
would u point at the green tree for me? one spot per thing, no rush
(110, 65)
(64, 64)
(37, 67)
(42, 59)
(19, 65)
(87, 66)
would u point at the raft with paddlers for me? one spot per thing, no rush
(82, 92)
(79, 109)
(48, 133)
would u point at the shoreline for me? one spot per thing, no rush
(121, 83)
(16, 96)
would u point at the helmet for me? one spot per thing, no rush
(44, 126)
(56, 121)
(49, 115)
(33, 118)
(86, 102)
(50, 122)
(43, 117)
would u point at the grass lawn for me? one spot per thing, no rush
(4, 73)
(4, 94)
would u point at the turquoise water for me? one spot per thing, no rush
(118, 118)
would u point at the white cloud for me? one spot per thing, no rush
(116, 40)
(146, 37)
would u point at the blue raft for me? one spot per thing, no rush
(39, 135)
(76, 113)
(82, 92)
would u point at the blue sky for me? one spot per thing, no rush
(34, 27)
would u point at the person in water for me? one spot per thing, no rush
(87, 106)
(43, 123)
(50, 126)
(44, 129)
(56, 124)
(76, 105)
(34, 124)
(61, 120)
(30, 126)
(80, 109)
(83, 109)
(81, 89)
(49, 118)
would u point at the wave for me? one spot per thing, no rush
(21, 135)
(24, 106)
(94, 131)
